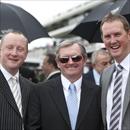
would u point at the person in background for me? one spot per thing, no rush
(115, 80)
(28, 73)
(49, 67)
(100, 59)
(50, 106)
(13, 97)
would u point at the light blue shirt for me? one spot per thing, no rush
(66, 83)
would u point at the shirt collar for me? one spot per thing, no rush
(125, 63)
(6, 74)
(66, 82)
(54, 72)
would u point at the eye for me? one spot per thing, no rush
(10, 47)
(20, 49)
(107, 37)
(76, 58)
(118, 34)
(63, 59)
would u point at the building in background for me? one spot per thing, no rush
(59, 29)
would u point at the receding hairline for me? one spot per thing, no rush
(14, 33)
(68, 43)
(115, 17)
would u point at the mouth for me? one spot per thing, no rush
(13, 60)
(115, 46)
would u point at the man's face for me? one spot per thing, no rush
(116, 39)
(46, 67)
(13, 52)
(102, 61)
(71, 69)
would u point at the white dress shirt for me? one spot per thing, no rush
(126, 70)
(66, 83)
(8, 76)
(96, 77)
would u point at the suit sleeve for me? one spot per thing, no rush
(33, 111)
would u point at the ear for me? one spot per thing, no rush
(129, 34)
(57, 63)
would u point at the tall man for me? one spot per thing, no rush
(50, 104)
(116, 86)
(13, 97)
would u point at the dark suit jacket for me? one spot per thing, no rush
(90, 76)
(48, 110)
(10, 118)
(54, 76)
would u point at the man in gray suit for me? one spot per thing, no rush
(116, 36)
(13, 97)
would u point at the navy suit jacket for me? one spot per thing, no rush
(48, 110)
(90, 76)
(10, 118)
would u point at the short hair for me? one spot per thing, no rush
(98, 52)
(67, 43)
(52, 59)
(13, 32)
(115, 17)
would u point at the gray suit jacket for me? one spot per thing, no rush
(10, 118)
(105, 83)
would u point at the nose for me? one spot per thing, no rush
(113, 39)
(14, 51)
(70, 60)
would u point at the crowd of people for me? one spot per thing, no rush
(68, 98)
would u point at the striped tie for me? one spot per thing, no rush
(16, 93)
(116, 107)
(72, 105)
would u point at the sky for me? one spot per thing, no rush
(45, 10)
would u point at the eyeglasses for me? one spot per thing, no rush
(75, 58)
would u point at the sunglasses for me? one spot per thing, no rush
(75, 58)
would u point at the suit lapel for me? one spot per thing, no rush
(59, 99)
(105, 83)
(24, 93)
(86, 99)
(126, 96)
(6, 92)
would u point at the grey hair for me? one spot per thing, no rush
(96, 53)
(14, 32)
(67, 43)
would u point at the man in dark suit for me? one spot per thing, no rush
(100, 60)
(13, 102)
(48, 105)
(115, 31)
(49, 66)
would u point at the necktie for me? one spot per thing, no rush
(16, 93)
(116, 107)
(72, 105)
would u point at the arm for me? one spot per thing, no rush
(33, 111)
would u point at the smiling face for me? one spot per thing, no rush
(116, 39)
(46, 67)
(13, 52)
(72, 70)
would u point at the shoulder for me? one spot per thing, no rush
(26, 84)
(49, 83)
(108, 70)
(90, 83)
